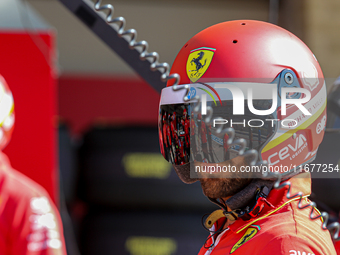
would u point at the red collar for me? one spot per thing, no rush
(277, 197)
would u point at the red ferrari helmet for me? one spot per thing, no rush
(283, 112)
(7, 116)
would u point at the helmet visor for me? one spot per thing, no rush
(188, 133)
(226, 136)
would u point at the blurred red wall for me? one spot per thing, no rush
(85, 100)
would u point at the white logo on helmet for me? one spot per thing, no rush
(321, 125)
(290, 150)
(310, 76)
(311, 153)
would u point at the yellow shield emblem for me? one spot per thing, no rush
(198, 62)
(246, 237)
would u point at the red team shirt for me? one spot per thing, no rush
(283, 230)
(161, 140)
(186, 124)
(165, 133)
(203, 132)
(192, 126)
(168, 134)
(337, 247)
(29, 221)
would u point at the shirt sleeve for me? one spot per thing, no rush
(287, 245)
(337, 247)
(37, 228)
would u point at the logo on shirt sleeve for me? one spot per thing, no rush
(249, 234)
(44, 233)
(294, 252)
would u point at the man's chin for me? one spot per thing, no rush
(222, 188)
(216, 182)
(213, 187)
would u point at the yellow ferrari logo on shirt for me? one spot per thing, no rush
(198, 62)
(246, 237)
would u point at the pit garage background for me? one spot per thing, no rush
(86, 125)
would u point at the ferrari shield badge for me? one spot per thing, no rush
(250, 233)
(198, 62)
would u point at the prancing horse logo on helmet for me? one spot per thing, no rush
(198, 62)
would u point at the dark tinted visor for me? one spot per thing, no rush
(212, 143)
(186, 136)
(189, 133)
(174, 132)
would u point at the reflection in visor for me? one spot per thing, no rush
(185, 135)
(174, 128)
(209, 146)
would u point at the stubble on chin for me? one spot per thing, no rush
(228, 186)
(222, 188)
